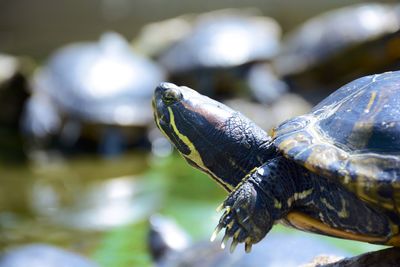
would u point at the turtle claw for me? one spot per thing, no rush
(225, 221)
(233, 245)
(237, 233)
(224, 241)
(245, 217)
(216, 232)
(247, 247)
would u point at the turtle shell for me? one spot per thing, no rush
(353, 136)
(101, 82)
(328, 34)
(224, 39)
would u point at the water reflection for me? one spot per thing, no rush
(64, 202)
(97, 205)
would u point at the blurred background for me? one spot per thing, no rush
(85, 176)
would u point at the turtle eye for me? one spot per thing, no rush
(171, 95)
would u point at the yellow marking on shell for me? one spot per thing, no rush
(287, 144)
(371, 101)
(362, 129)
(298, 196)
(194, 155)
(307, 223)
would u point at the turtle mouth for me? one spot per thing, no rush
(157, 111)
(160, 115)
(161, 101)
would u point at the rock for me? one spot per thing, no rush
(389, 257)
(322, 260)
(41, 255)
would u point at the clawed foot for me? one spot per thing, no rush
(245, 219)
(233, 230)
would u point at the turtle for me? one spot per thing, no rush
(333, 171)
(339, 46)
(219, 50)
(96, 94)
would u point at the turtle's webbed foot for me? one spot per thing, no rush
(245, 219)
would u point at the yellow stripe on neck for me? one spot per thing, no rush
(194, 154)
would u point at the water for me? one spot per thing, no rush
(99, 208)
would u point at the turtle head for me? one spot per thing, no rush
(209, 135)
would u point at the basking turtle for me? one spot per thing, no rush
(217, 53)
(333, 171)
(100, 91)
(338, 46)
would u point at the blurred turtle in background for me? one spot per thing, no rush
(92, 96)
(13, 94)
(170, 246)
(216, 51)
(225, 54)
(339, 46)
(155, 38)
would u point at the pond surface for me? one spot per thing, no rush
(100, 207)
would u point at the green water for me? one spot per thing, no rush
(100, 207)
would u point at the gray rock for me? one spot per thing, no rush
(389, 257)
(41, 255)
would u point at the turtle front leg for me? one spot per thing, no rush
(254, 205)
(246, 217)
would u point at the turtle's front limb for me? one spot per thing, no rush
(255, 204)
(246, 217)
(282, 190)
